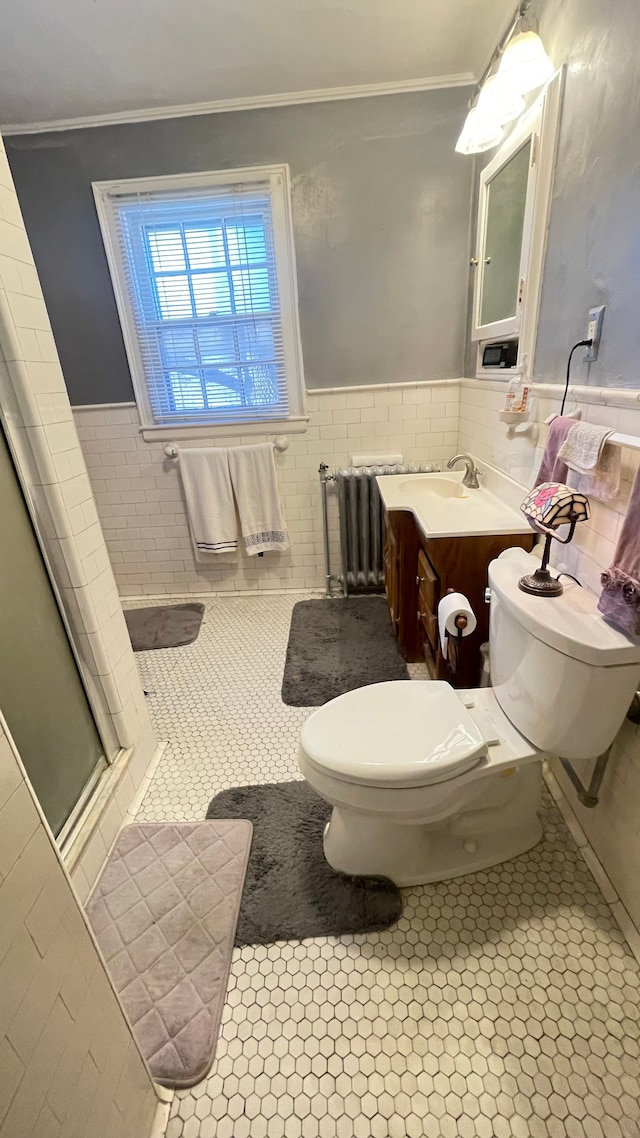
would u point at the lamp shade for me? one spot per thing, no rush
(479, 133)
(499, 103)
(552, 504)
(525, 64)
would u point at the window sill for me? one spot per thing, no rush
(296, 425)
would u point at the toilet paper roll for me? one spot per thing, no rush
(451, 606)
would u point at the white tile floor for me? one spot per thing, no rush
(504, 1005)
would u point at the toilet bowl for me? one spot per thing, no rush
(420, 778)
(428, 783)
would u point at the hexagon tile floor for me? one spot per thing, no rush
(504, 1004)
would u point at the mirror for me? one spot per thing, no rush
(514, 198)
(507, 193)
(505, 212)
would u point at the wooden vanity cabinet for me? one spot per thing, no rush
(419, 572)
(391, 558)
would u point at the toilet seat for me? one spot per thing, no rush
(395, 734)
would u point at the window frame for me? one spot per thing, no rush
(284, 252)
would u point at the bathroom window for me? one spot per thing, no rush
(203, 270)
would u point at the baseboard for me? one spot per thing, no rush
(597, 870)
(128, 598)
(136, 801)
(163, 1110)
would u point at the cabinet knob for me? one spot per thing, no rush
(473, 261)
(422, 615)
(419, 580)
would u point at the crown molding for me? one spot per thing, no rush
(253, 102)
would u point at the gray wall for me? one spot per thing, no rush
(381, 208)
(594, 239)
(593, 252)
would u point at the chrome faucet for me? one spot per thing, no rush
(470, 479)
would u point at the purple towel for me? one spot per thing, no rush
(620, 598)
(553, 469)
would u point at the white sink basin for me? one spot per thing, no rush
(443, 507)
(416, 486)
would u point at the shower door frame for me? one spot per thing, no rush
(93, 692)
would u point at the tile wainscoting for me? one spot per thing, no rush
(141, 507)
(613, 827)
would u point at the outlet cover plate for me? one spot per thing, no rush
(596, 316)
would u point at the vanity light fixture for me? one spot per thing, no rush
(498, 103)
(523, 66)
(479, 133)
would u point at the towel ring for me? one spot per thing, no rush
(280, 443)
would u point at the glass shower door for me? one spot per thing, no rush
(41, 694)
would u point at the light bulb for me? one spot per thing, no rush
(525, 64)
(499, 103)
(479, 133)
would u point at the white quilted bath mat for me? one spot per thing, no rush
(164, 912)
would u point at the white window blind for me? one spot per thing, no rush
(198, 277)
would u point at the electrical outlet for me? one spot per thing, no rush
(594, 332)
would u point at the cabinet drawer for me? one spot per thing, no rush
(428, 584)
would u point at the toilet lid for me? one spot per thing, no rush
(394, 734)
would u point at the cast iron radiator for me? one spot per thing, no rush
(360, 520)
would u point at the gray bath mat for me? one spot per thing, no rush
(336, 646)
(291, 892)
(164, 912)
(164, 626)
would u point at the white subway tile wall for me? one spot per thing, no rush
(41, 430)
(613, 827)
(141, 506)
(68, 1062)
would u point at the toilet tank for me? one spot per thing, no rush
(561, 674)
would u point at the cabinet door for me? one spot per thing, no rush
(428, 597)
(392, 574)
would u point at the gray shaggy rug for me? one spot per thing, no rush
(336, 646)
(164, 626)
(290, 891)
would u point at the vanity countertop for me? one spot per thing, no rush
(443, 507)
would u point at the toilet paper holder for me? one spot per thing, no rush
(461, 623)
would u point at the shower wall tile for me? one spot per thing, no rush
(613, 827)
(141, 506)
(68, 1062)
(42, 434)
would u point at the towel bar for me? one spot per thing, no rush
(281, 443)
(617, 439)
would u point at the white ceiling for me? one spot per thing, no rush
(68, 59)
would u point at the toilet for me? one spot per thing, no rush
(429, 783)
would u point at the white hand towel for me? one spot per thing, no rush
(583, 445)
(210, 505)
(602, 483)
(596, 462)
(255, 485)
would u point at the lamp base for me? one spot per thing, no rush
(541, 584)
